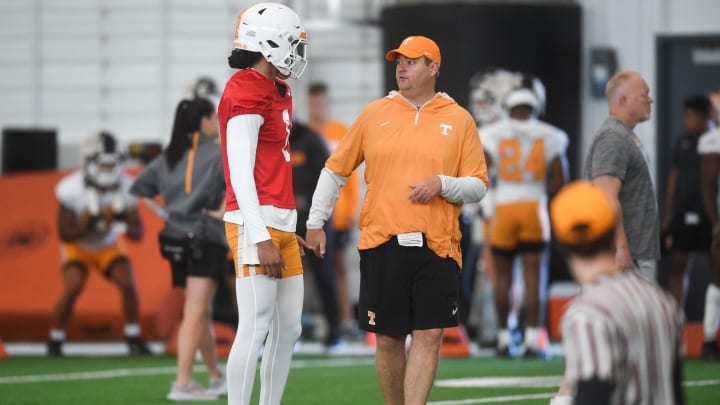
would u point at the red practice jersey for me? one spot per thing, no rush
(249, 92)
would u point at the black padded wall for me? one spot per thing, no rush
(541, 39)
(28, 149)
(544, 40)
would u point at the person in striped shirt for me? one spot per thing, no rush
(622, 333)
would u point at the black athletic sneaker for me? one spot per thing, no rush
(532, 353)
(137, 346)
(54, 348)
(710, 351)
(503, 352)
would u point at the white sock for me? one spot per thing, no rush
(57, 334)
(255, 298)
(264, 305)
(503, 338)
(561, 400)
(531, 337)
(712, 311)
(132, 330)
(285, 330)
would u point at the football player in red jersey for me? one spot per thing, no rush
(255, 114)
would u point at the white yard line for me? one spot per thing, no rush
(490, 400)
(519, 382)
(92, 375)
(544, 381)
(701, 383)
(129, 372)
(483, 382)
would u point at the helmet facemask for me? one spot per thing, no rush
(103, 164)
(296, 60)
(487, 90)
(483, 106)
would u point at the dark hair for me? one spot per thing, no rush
(605, 243)
(109, 142)
(317, 88)
(188, 115)
(243, 59)
(700, 104)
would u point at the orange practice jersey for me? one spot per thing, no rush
(402, 145)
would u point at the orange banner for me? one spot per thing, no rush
(30, 277)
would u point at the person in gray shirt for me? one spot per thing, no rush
(189, 176)
(618, 164)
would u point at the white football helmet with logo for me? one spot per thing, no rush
(103, 161)
(487, 91)
(275, 31)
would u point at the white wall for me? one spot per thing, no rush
(631, 26)
(122, 65)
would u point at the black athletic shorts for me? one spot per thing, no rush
(212, 264)
(691, 238)
(406, 288)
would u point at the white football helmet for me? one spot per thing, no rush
(487, 91)
(530, 91)
(204, 87)
(275, 31)
(103, 161)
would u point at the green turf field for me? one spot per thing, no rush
(313, 380)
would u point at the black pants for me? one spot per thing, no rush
(323, 272)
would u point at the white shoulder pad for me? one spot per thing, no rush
(70, 188)
(709, 142)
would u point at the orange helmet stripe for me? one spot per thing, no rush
(237, 25)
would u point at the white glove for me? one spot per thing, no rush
(119, 227)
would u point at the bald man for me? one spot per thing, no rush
(618, 163)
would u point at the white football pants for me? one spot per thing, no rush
(269, 308)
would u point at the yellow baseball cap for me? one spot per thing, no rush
(581, 213)
(414, 47)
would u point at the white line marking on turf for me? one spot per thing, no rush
(483, 382)
(530, 382)
(342, 362)
(509, 398)
(534, 382)
(129, 372)
(90, 375)
(701, 383)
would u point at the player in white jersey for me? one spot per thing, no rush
(622, 335)
(709, 150)
(95, 211)
(529, 158)
(488, 89)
